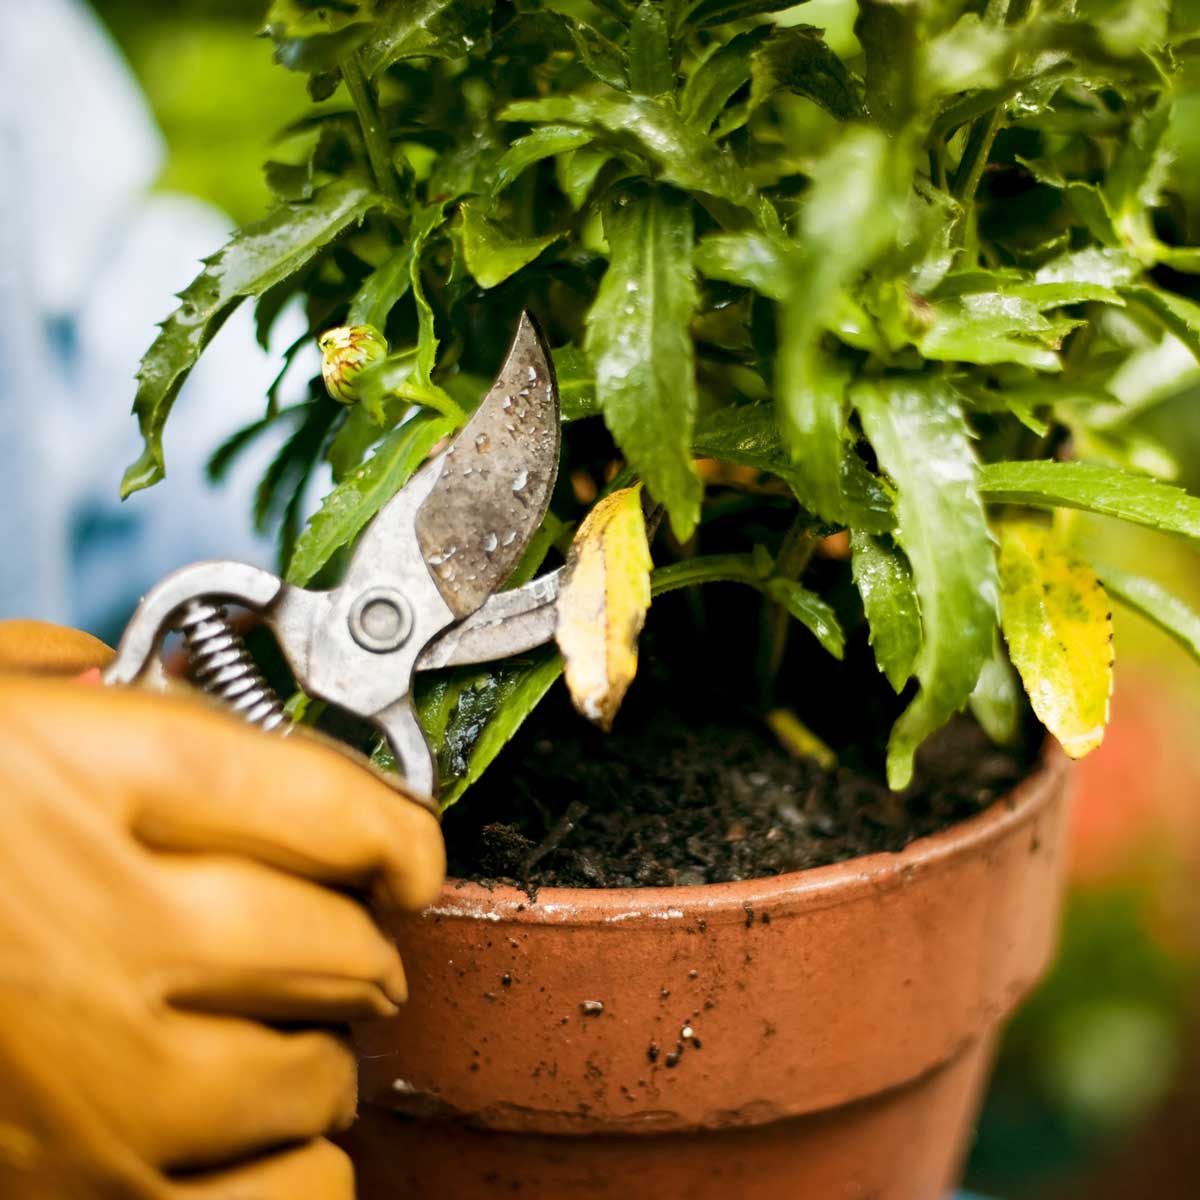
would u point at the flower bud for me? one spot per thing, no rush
(345, 351)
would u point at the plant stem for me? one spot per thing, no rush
(983, 131)
(374, 137)
(798, 545)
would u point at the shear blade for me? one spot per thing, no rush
(496, 479)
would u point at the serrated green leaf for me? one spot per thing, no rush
(492, 253)
(605, 60)
(641, 349)
(994, 327)
(346, 510)
(542, 143)
(1107, 491)
(382, 290)
(1056, 621)
(680, 153)
(923, 442)
(650, 71)
(1171, 614)
(884, 581)
(749, 436)
(258, 257)
(798, 60)
(423, 29)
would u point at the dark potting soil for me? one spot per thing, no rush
(704, 803)
(692, 786)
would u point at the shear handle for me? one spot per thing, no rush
(239, 583)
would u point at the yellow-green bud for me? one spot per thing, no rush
(345, 351)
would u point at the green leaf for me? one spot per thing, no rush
(492, 254)
(1176, 314)
(923, 442)
(641, 348)
(382, 290)
(1171, 614)
(680, 153)
(850, 212)
(480, 714)
(308, 38)
(542, 143)
(885, 583)
(650, 71)
(811, 611)
(576, 172)
(258, 257)
(576, 383)
(423, 29)
(347, 509)
(753, 260)
(1104, 490)
(599, 54)
(997, 699)
(1094, 264)
(890, 36)
(425, 222)
(989, 328)
(750, 437)
(798, 60)
(711, 85)
(717, 12)
(1056, 621)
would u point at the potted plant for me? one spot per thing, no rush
(863, 319)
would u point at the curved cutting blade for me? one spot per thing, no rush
(495, 480)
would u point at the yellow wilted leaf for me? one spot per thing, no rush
(602, 604)
(1058, 624)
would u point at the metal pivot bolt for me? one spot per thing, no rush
(381, 620)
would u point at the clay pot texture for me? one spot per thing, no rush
(815, 1036)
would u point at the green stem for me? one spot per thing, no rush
(798, 545)
(713, 568)
(374, 137)
(983, 131)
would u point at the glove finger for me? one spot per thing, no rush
(228, 1089)
(317, 1170)
(38, 648)
(188, 777)
(249, 939)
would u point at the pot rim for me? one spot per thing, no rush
(807, 890)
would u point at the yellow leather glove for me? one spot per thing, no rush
(167, 886)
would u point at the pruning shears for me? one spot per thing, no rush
(420, 591)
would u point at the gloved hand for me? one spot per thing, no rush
(167, 885)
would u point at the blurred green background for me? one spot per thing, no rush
(1097, 1091)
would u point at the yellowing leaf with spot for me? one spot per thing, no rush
(1058, 625)
(602, 604)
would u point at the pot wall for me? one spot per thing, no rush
(825, 1033)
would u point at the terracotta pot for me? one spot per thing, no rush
(824, 1034)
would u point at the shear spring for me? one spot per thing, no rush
(220, 663)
